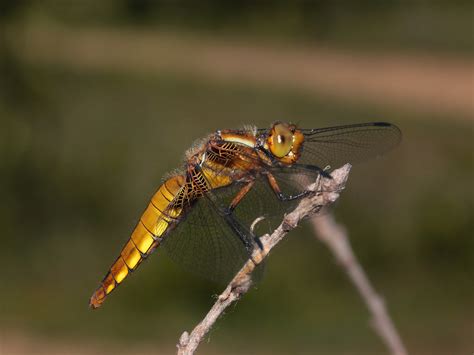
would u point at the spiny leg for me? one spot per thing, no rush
(276, 188)
(240, 195)
(322, 172)
(246, 237)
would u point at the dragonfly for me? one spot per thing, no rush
(201, 214)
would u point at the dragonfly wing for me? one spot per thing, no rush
(335, 146)
(205, 244)
(262, 202)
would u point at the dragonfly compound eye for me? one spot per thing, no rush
(281, 140)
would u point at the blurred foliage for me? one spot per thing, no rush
(398, 24)
(88, 154)
(82, 151)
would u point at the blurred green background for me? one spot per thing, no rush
(98, 100)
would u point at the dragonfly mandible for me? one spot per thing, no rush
(201, 214)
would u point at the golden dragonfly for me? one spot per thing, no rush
(201, 214)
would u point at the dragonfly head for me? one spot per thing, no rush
(284, 141)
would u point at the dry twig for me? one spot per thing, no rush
(331, 234)
(326, 192)
(334, 236)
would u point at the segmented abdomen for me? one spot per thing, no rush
(159, 217)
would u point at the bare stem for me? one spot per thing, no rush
(334, 236)
(326, 192)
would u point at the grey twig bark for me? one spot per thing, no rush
(334, 236)
(326, 191)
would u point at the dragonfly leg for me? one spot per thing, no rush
(276, 188)
(240, 195)
(322, 172)
(247, 237)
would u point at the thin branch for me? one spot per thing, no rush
(326, 192)
(334, 236)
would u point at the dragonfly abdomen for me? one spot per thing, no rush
(161, 214)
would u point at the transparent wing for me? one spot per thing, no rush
(205, 244)
(335, 146)
(261, 202)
